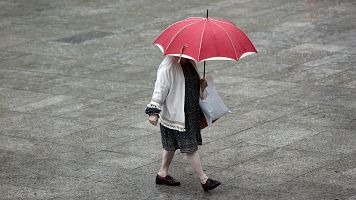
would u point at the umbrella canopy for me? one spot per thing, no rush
(203, 39)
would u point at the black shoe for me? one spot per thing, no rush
(210, 184)
(168, 180)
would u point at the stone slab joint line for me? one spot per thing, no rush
(314, 169)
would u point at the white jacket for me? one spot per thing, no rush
(169, 93)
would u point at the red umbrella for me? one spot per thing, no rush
(204, 39)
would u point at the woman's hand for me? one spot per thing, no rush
(203, 84)
(153, 119)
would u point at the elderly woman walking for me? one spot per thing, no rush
(175, 103)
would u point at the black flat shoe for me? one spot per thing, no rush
(210, 184)
(168, 180)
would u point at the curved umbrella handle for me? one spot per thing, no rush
(181, 52)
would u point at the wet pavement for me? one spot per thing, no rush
(75, 78)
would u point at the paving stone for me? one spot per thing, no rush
(58, 107)
(23, 33)
(275, 107)
(102, 113)
(309, 95)
(232, 192)
(104, 137)
(6, 55)
(336, 180)
(141, 98)
(39, 127)
(13, 165)
(65, 187)
(290, 57)
(344, 79)
(271, 169)
(76, 39)
(125, 40)
(310, 190)
(257, 87)
(48, 64)
(50, 48)
(275, 134)
(253, 116)
(133, 77)
(92, 88)
(322, 117)
(55, 167)
(141, 56)
(125, 161)
(233, 155)
(87, 178)
(23, 80)
(221, 130)
(119, 179)
(43, 103)
(333, 141)
(295, 31)
(248, 69)
(300, 74)
(137, 120)
(337, 61)
(149, 147)
(24, 192)
(310, 47)
(35, 149)
(98, 191)
(12, 98)
(11, 40)
(339, 173)
(236, 102)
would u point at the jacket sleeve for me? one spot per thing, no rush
(161, 90)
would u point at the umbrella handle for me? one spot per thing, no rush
(202, 92)
(204, 71)
(181, 52)
(207, 15)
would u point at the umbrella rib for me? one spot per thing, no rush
(178, 33)
(166, 29)
(234, 26)
(201, 39)
(226, 22)
(169, 27)
(233, 45)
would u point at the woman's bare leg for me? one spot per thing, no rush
(167, 157)
(196, 164)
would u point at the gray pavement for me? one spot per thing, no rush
(75, 77)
